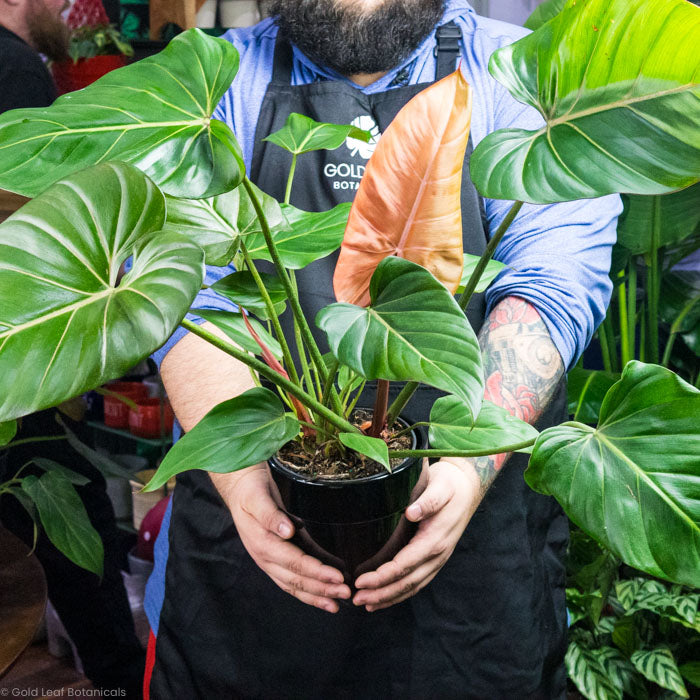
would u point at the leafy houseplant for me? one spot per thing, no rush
(175, 194)
(95, 47)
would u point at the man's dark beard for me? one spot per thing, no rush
(339, 35)
(48, 33)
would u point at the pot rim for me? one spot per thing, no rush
(325, 481)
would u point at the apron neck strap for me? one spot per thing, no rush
(446, 51)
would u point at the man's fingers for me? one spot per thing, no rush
(401, 589)
(264, 510)
(327, 604)
(436, 495)
(297, 582)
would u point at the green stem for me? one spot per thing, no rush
(410, 429)
(632, 306)
(653, 284)
(293, 299)
(487, 255)
(400, 402)
(604, 349)
(675, 329)
(403, 454)
(27, 441)
(270, 307)
(290, 179)
(332, 371)
(301, 350)
(625, 355)
(643, 334)
(609, 331)
(274, 377)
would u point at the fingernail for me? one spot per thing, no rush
(284, 530)
(415, 511)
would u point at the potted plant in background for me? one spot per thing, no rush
(188, 200)
(96, 47)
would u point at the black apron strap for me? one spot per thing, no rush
(282, 62)
(446, 49)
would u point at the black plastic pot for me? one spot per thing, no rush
(354, 525)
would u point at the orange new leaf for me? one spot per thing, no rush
(408, 202)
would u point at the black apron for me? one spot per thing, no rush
(490, 625)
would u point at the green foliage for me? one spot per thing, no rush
(241, 288)
(452, 426)
(611, 125)
(302, 134)
(586, 390)
(658, 666)
(65, 519)
(154, 114)
(97, 40)
(544, 12)
(374, 448)
(8, 430)
(261, 428)
(632, 470)
(413, 330)
(233, 325)
(492, 271)
(61, 294)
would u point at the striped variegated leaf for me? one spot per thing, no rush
(659, 666)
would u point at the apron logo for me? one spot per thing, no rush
(357, 147)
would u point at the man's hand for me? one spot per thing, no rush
(443, 510)
(264, 530)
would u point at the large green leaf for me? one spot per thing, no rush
(586, 389)
(643, 594)
(307, 236)
(65, 519)
(544, 12)
(217, 222)
(233, 325)
(66, 323)
(588, 674)
(452, 427)
(49, 465)
(154, 114)
(241, 289)
(678, 216)
(235, 434)
(301, 134)
(413, 331)
(659, 666)
(634, 482)
(691, 672)
(622, 110)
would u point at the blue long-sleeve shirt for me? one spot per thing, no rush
(558, 255)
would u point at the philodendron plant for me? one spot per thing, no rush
(134, 166)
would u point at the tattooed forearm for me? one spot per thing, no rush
(521, 368)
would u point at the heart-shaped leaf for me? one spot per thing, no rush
(374, 448)
(216, 223)
(308, 236)
(155, 114)
(413, 331)
(233, 325)
(492, 270)
(66, 323)
(65, 519)
(408, 203)
(621, 110)
(453, 428)
(678, 213)
(241, 289)
(632, 483)
(235, 434)
(301, 134)
(8, 430)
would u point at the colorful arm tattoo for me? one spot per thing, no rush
(521, 368)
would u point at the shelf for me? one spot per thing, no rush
(154, 442)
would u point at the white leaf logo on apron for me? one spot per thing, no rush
(357, 147)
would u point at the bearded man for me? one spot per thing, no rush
(473, 606)
(29, 28)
